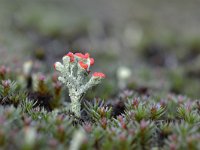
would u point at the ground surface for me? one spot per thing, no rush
(149, 51)
(146, 36)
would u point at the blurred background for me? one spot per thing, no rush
(142, 45)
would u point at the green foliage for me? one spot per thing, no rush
(190, 115)
(139, 109)
(40, 119)
(184, 136)
(143, 135)
(98, 110)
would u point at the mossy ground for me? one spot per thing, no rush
(156, 107)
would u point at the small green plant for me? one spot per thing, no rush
(98, 110)
(74, 74)
(188, 113)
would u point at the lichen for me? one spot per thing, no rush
(74, 74)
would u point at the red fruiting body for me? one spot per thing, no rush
(80, 55)
(91, 61)
(99, 74)
(87, 55)
(83, 65)
(71, 55)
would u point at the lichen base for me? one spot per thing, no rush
(76, 107)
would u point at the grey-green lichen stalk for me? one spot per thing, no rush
(74, 73)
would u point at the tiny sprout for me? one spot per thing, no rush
(6, 83)
(135, 103)
(153, 109)
(3, 71)
(42, 87)
(103, 122)
(103, 111)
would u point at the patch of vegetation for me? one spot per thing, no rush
(37, 116)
